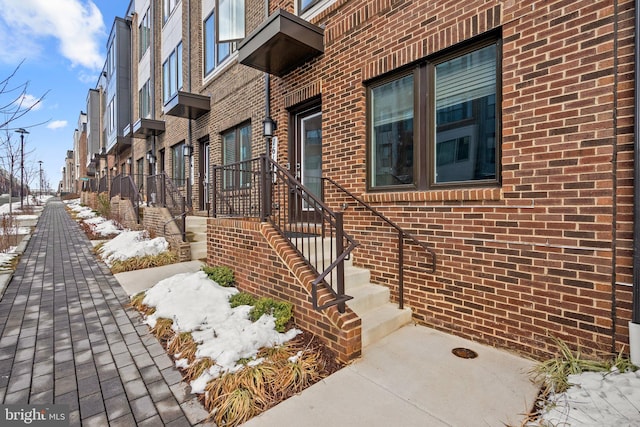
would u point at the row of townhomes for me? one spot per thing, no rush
(465, 165)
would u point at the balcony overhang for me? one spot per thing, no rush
(282, 43)
(188, 105)
(144, 128)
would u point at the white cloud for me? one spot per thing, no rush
(76, 25)
(57, 124)
(27, 101)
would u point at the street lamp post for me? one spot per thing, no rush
(40, 161)
(21, 131)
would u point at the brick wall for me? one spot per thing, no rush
(264, 265)
(158, 222)
(549, 251)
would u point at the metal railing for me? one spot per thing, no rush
(262, 189)
(164, 193)
(123, 186)
(103, 184)
(402, 236)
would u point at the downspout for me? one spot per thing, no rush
(152, 80)
(267, 91)
(634, 325)
(190, 121)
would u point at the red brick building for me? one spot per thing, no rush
(499, 134)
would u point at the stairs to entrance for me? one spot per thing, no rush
(371, 302)
(196, 228)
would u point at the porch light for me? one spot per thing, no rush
(129, 160)
(151, 158)
(268, 127)
(187, 150)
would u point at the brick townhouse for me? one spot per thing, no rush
(489, 145)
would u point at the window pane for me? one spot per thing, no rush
(179, 68)
(165, 81)
(465, 117)
(392, 133)
(228, 156)
(231, 17)
(245, 154)
(306, 4)
(209, 44)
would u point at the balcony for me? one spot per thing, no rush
(144, 128)
(283, 42)
(188, 105)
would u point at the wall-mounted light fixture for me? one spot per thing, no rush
(268, 127)
(128, 160)
(151, 158)
(187, 150)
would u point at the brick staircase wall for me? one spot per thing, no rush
(265, 265)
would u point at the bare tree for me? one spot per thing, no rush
(15, 103)
(14, 100)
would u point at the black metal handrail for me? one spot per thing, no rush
(402, 235)
(123, 186)
(162, 192)
(263, 189)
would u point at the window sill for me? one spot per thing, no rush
(220, 68)
(468, 194)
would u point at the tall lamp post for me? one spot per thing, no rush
(21, 131)
(40, 161)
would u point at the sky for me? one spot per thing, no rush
(59, 47)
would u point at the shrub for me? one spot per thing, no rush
(104, 205)
(241, 298)
(222, 275)
(281, 310)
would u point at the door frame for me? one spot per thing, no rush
(295, 166)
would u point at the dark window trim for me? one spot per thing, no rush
(424, 132)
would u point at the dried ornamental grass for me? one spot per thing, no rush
(147, 261)
(163, 329)
(182, 346)
(197, 368)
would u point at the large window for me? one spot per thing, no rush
(177, 165)
(236, 147)
(436, 125)
(145, 100)
(145, 32)
(169, 6)
(214, 53)
(172, 74)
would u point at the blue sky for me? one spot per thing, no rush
(63, 46)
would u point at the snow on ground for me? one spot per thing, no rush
(596, 399)
(16, 231)
(6, 257)
(198, 305)
(130, 244)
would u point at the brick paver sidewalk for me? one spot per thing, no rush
(66, 336)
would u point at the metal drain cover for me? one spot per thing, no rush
(464, 353)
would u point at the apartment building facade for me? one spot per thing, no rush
(499, 134)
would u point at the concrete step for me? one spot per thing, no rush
(380, 322)
(367, 297)
(196, 224)
(198, 250)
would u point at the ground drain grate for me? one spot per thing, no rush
(464, 353)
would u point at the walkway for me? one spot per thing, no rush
(67, 337)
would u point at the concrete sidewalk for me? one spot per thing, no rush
(411, 378)
(67, 336)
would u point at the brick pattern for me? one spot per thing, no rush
(265, 265)
(548, 250)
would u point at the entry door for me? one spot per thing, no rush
(306, 157)
(203, 174)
